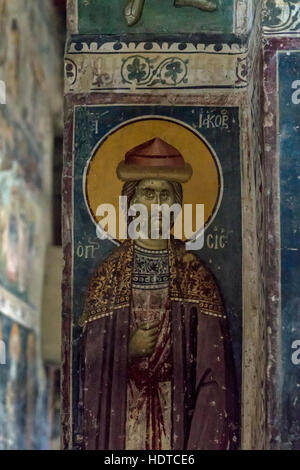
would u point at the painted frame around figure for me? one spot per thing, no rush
(68, 320)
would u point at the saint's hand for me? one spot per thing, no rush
(143, 340)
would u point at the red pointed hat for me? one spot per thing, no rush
(154, 159)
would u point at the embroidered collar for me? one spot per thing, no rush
(189, 281)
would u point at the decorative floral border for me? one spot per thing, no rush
(281, 17)
(93, 66)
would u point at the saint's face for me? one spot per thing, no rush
(151, 192)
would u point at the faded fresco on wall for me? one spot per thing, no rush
(127, 293)
(17, 149)
(21, 251)
(29, 66)
(289, 102)
(23, 175)
(137, 16)
(21, 396)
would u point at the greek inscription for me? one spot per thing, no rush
(87, 251)
(214, 120)
(217, 240)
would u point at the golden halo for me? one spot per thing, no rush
(102, 186)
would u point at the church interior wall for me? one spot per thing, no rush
(30, 117)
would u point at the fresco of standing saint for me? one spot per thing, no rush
(156, 363)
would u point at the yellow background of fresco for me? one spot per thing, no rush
(103, 187)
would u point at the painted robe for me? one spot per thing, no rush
(149, 387)
(193, 404)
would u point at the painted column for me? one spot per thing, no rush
(197, 90)
(281, 129)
